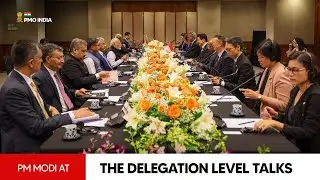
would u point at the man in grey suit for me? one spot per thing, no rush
(26, 121)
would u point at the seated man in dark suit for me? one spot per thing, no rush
(222, 65)
(205, 54)
(26, 120)
(194, 48)
(53, 91)
(126, 43)
(243, 71)
(74, 72)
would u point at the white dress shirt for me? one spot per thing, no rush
(63, 104)
(90, 65)
(111, 56)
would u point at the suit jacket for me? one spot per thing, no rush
(49, 90)
(277, 88)
(224, 66)
(193, 51)
(23, 126)
(221, 67)
(245, 71)
(208, 65)
(75, 75)
(304, 127)
(8, 64)
(126, 43)
(204, 54)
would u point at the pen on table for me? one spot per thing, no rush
(226, 98)
(246, 122)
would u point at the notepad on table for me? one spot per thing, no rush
(231, 132)
(113, 76)
(97, 123)
(240, 122)
(215, 98)
(114, 98)
(202, 82)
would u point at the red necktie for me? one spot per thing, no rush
(63, 93)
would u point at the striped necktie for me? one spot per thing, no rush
(39, 99)
(64, 95)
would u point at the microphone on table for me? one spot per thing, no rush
(225, 75)
(240, 85)
(221, 124)
(230, 74)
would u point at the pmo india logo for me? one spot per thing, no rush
(26, 17)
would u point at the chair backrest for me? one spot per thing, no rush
(8, 63)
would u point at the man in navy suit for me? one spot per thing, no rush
(26, 121)
(52, 89)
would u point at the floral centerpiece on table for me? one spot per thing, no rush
(165, 109)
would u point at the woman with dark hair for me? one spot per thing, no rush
(301, 121)
(274, 86)
(298, 44)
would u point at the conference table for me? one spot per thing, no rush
(236, 143)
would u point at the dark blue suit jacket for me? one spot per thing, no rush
(23, 126)
(48, 89)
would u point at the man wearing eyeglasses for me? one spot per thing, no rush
(53, 91)
(243, 71)
(74, 72)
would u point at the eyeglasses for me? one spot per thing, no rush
(59, 57)
(294, 70)
(229, 49)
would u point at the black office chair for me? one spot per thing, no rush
(8, 63)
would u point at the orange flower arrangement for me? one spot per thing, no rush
(158, 96)
(186, 92)
(185, 80)
(144, 105)
(165, 98)
(180, 102)
(194, 91)
(192, 104)
(162, 77)
(161, 108)
(174, 111)
(164, 69)
(152, 82)
(152, 89)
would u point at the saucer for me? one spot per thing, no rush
(71, 139)
(237, 115)
(97, 108)
(213, 93)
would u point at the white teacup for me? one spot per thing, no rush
(237, 109)
(95, 104)
(71, 131)
(216, 90)
(202, 76)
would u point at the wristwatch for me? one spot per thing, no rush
(259, 97)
